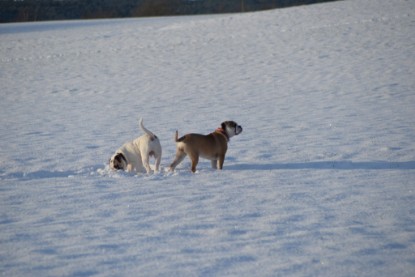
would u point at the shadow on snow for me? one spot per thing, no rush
(344, 165)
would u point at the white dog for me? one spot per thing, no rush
(134, 156)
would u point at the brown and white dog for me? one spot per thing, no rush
(212, 146)
(134, 156)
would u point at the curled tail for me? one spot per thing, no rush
(148, 132)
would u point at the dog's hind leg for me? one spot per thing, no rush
(146, 162)
(180, 155)
(195, 161)
(157, 163)
(214, 164)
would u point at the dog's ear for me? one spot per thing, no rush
(117, 158)
(223, 125)
(120, 157)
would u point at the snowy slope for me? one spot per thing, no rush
(320, 183)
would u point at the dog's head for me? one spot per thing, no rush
(118, 161)
(231, 128)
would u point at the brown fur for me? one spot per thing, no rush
(212, 147)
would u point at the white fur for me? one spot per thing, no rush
(233, 131)
(138, 152)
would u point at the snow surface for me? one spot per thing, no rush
(320, 183)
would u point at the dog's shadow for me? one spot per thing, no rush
(340, 165)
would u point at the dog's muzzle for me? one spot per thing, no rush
(238, 130)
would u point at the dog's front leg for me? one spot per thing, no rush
(221, 160)
(130, 168)
(214, 164)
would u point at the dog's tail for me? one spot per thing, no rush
(148, 132)
(177, 139)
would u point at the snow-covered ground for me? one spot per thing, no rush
(320, 183)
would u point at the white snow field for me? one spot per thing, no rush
(321, 182)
